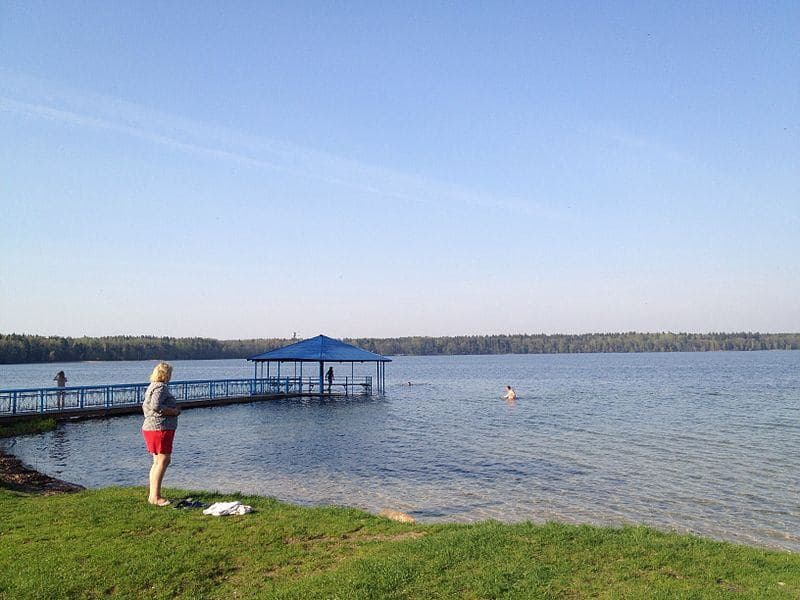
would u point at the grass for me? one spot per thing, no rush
(111, 543)
(35, 425)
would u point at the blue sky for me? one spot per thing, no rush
(389, 169)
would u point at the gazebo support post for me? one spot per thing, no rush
(321, 368)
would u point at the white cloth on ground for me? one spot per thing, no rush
(228, 508)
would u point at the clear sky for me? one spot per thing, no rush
(241, 170)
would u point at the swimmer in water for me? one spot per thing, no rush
(511, 395)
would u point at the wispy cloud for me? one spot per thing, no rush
(33, 98)
(617, 134)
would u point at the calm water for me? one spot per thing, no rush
(699, 442)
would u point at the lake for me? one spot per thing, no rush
(696, 442)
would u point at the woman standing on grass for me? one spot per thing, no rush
(160, 422)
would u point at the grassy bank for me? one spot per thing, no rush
(37, 425)
(109, 542)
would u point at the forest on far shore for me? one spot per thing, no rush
(23, 348)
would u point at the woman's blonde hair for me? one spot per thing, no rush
(162, 372)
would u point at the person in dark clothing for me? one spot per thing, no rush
(329, 376)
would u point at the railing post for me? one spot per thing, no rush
(41, 400)
(14, 403)
(108, 396)
(81, 397)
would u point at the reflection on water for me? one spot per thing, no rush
(696, 442)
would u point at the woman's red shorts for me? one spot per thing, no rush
(159, 441)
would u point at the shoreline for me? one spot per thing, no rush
(282, 550)
(16, 476)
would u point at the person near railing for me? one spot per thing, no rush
(329, 375)
(160, 422)
(61, 381)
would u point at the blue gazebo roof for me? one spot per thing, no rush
(320, 349)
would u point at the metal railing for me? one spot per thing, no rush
(94, 397)
(351, 386)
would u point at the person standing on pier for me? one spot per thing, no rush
(160, 422)
(61, 381)
(329, 375)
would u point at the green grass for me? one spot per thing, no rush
(35, 425)
(111, 543)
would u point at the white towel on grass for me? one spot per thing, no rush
(228, 508)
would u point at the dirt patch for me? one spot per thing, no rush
(16, 476)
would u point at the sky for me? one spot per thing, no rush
(380, 169)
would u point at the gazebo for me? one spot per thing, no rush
(321, 350)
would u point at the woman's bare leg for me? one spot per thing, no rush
(160, 463)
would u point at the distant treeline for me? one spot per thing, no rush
(586, 342)
(16, 348)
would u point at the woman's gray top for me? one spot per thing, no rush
(157, 397)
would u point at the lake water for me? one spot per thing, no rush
(696, 442)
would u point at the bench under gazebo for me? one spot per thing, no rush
(318, 351)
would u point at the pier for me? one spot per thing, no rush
(106, 400)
